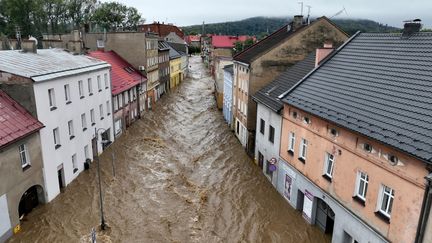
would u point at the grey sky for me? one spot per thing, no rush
(191, 12)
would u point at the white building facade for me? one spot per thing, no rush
(72, 98)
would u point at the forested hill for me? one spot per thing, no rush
(260, 26)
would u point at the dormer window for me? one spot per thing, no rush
(334, 132)
(306, 120)
(294, 114)
(367, 147)
(393, 159)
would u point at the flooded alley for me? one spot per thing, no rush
(181, 176)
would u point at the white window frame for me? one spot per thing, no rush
(67, 93)
(24, 156)
(106, 81)
(83, 121)
(108, 108)
(51, 96)
(390, 200)
(115, 103)
(56, 135)
(71, 129)
(303, 149)
(90, 86)
(291, 142)
(74, 163)
(86, 152)
(81, 88)
(101, 113)
(92, 117)
(362, 182)
(99, 83)
(329, 161)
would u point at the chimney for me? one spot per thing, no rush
(323, 52)
(29, 45)
(297, 21)
(411, 27)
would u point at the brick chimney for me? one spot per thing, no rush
(411, 27)
(323, 52)
(297, 21)
(29, 46)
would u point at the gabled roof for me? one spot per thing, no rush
(123, 75)
(227, 41)
(378, 85)
(15, 121)
(47, 64)
(263, 46)
(161, 29)
(268, 95)
(172, 52)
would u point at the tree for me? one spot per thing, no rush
(114, 15)
(80, 11)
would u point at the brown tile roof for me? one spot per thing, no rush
(161, 29)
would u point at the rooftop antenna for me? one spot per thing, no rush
(308, 16)
(301, 7)
(340, 12)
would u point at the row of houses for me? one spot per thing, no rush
(62, 106)
(340, 126)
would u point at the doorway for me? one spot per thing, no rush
(61, 179)
(324, 217)
(29, 200)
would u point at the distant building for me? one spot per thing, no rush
(22, 185)
(261, 63)
(164, 68)
(219, 64)
(193, 41)
(175, 64)
(71, 96)
(356, 139)
(162, 30)
(152, 69)
(125, 82)
(227, 94)
(183, 50)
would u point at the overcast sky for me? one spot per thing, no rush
(191, 12)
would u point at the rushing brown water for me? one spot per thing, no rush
(181, 176)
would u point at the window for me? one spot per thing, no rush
(334, 132)
(271, 134)
(83, 122)
(51, 96)
(99, 83)
(367, 147)
(106, 81)
(262, 126)
(306, 120)
(24, 157)
(90, 87)
(56, 135)
(67, 94)
(92, 117)
(303, 150)
(238, 128)
(120, 97)
(108, 108)
(74, 163)
(328, 166)
(71, 129)
(386, 201)
(86, 152)
(393, 159)
(260, 159)
(101, 112)
(115, 104)
(294, 114)
(291, 142)
(81, 89)
(361, 185)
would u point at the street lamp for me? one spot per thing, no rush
(99, 175)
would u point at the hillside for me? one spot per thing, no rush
(260, 26)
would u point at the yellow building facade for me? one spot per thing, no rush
(175, 72)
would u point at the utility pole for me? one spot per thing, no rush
(99, 181)
(308, 16)
(301, 7)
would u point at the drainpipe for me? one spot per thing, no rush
(425, 211)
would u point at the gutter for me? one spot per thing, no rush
(425, 210)
(317, 67)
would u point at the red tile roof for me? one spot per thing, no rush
(123, 75)
(162, 29)
(227, 41)
(192, 38)
(15, 121)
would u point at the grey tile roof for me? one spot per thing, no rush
(180, 48)
(172, 52)
(379, 85)
(47, 63)
(268, 95)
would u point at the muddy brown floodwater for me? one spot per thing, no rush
(181, 176)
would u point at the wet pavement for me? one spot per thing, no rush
(181, 176)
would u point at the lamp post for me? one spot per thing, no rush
(99, 176)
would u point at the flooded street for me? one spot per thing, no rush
(181, 176)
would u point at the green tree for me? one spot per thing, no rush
(80, 11)
(114, 15)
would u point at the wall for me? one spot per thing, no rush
(53, 158)
(227, 97)
(175, 65)
(19, 88)
(406, 178)
(129, 45)
(14, 181)
(262, 143)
